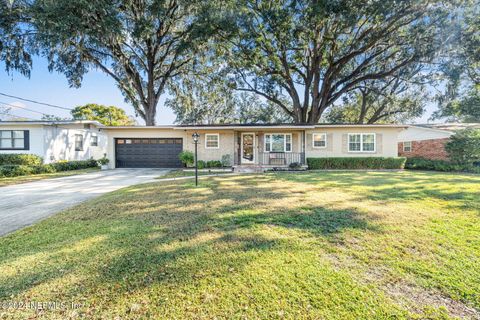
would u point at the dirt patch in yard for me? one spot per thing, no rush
(416, 298)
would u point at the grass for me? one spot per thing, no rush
(182, 173)
(22, 179)
(330, 245)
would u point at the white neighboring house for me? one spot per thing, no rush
(421, 133)
(54, 140)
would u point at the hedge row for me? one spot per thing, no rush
(20, 159)
(440, 165)
(209, 164)
(356, 163)
(13, 170)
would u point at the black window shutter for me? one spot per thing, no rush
(26, 140)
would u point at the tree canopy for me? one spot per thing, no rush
(316, 52)
(464, 146)
(205, 97)
(391, 100)
(460, 101)
(302, 57)
(15, 36)
(142, 45)
(107, 115)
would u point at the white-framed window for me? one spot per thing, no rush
(94, 140)
(78, 142)
(361, 142)
(319, 140)
(278, 142)
(212, 141)
(12, 139)
(407, 146)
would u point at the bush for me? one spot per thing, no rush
(13, 170)
(464, 146)
(439, 165)
(20, 159)
(201, 164)
(74, 165)
(187, 158)
(295, 165)
(214, 164)
(226, 160)
(103, 161)
(356, 163)
(22, 170)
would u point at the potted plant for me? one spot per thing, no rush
(103, 162)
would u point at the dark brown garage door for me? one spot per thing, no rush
(148, 153)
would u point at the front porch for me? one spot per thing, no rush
(263, 150)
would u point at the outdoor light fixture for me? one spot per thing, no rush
(195, 137)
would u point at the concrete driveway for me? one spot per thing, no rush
(27, 203)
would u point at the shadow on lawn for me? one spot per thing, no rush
(407, 185)
(154, 234)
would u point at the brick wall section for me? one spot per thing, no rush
(433, 149)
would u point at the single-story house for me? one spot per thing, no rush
(247, 145)
(54, 140)
(428, 140)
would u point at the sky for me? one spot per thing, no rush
(53, 88)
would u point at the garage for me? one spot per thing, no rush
(148, 152)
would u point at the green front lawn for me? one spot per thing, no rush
(22, 179)
(323, 245)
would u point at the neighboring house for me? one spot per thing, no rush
(54, 140)
(428, 140)
(258, 145)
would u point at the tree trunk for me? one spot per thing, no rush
(150, 113)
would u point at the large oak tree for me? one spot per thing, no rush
(314, 52)
(141, 44)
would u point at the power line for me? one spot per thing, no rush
(14, 106)
(37, 102)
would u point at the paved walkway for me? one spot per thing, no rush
(27, 203)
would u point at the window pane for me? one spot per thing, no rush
(267, 143)
(278, 143)
(5, 134)
(288, 144)
(18, 143)
(354, 142)
(18, 134)
(407, 146)
(319, 140)
(5, 143)
(212, 141)
(368, 142)
(78, 142)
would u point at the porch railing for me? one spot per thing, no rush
(280, 158)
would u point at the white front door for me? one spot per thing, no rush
(248, 148)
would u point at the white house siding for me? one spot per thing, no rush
(36, 139)
(54, 143)
(419, 134)
(386, 142)
(60, 143)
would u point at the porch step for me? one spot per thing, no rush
(248, 169)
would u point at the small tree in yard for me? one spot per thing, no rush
(464, 146)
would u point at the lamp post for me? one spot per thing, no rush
(195, 137)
